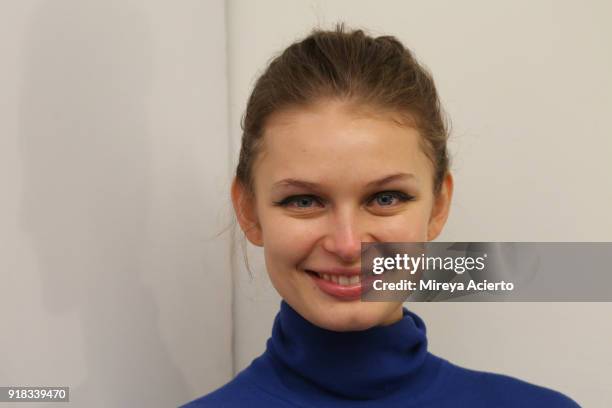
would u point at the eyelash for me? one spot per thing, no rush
(402, 197)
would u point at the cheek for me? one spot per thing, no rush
(288, 241)
(411, 226)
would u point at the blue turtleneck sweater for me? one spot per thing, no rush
(385, 366)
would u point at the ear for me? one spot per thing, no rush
(441, 208)
(246, 212)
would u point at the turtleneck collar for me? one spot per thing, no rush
(366, 364)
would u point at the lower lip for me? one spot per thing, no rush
(352, 292)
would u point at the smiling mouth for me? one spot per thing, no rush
(342, 280)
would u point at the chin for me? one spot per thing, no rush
(348, 316)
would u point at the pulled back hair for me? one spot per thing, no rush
(377, 73)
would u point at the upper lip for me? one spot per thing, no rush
(338, 270)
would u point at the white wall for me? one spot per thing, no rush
(528, 89)
(114, 173)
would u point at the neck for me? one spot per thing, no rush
(363, 364)
(394, 317)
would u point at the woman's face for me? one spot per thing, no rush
(329, 178)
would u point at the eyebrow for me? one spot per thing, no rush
(307, 184)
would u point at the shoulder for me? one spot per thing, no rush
(506, 391)
(237, 393)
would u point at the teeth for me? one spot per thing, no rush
(349, 280)
(343, 280)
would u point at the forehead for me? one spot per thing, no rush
(331, 139)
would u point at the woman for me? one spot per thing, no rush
(344, 142)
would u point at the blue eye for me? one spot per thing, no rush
(301, 201)
(385, 198)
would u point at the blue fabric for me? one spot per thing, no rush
(385, 366)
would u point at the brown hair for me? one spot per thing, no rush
(378, 73)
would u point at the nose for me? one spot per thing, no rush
(344, 238)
